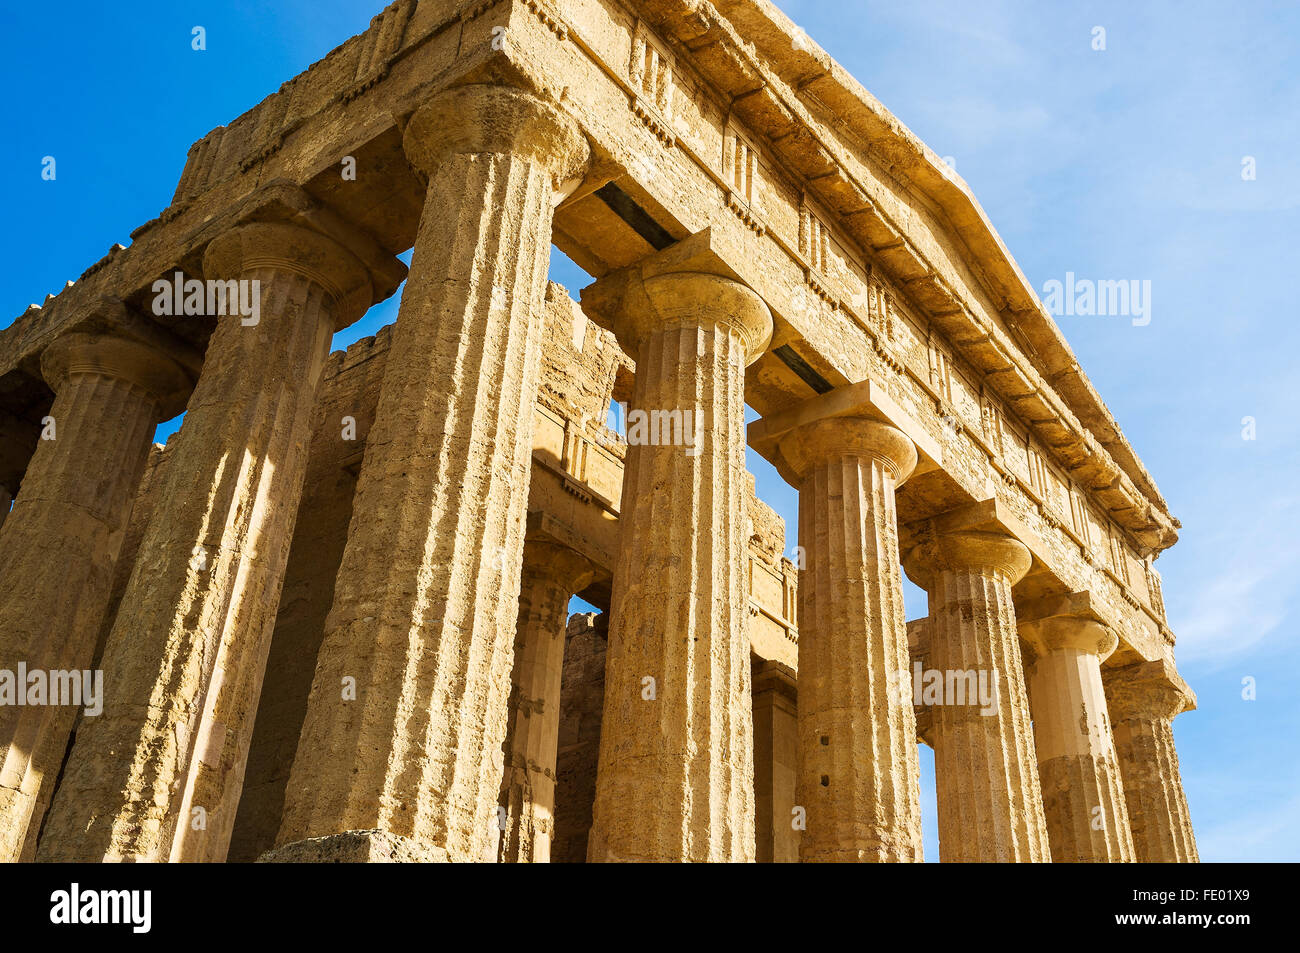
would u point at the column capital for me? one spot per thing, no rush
(296, 250)
(1148, 690)
(1065, 632)
(689, 284)
(566, 566)
(693, 299)
(112, 355)
(966, 551)
(498, 119)
(815, 443)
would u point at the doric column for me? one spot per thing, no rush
(859, 774)
(1143, 700)
(676, 774)
(776, 750)
(552, 574)
(58, 549)
(1083, 796)
(918, 641)
(582, 705)
(990, 803)
(183, 663)
(409, 765)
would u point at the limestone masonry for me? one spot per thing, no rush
(331, 615)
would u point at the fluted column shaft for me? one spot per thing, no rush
(426, 600)
(776, 768)
(675, 777)
(582, 698)
(1083, 795)
(1143, 702)
(859, 774)
(551, 575)
(990, 802)
(183, 663)
(59, 547)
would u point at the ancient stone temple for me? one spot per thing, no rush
(331, 614)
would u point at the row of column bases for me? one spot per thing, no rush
(418, 742)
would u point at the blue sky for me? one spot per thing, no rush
(1124, 163)
(1127, 164)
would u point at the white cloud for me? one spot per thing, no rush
(1251, 575)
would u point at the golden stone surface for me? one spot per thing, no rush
(330, 614)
